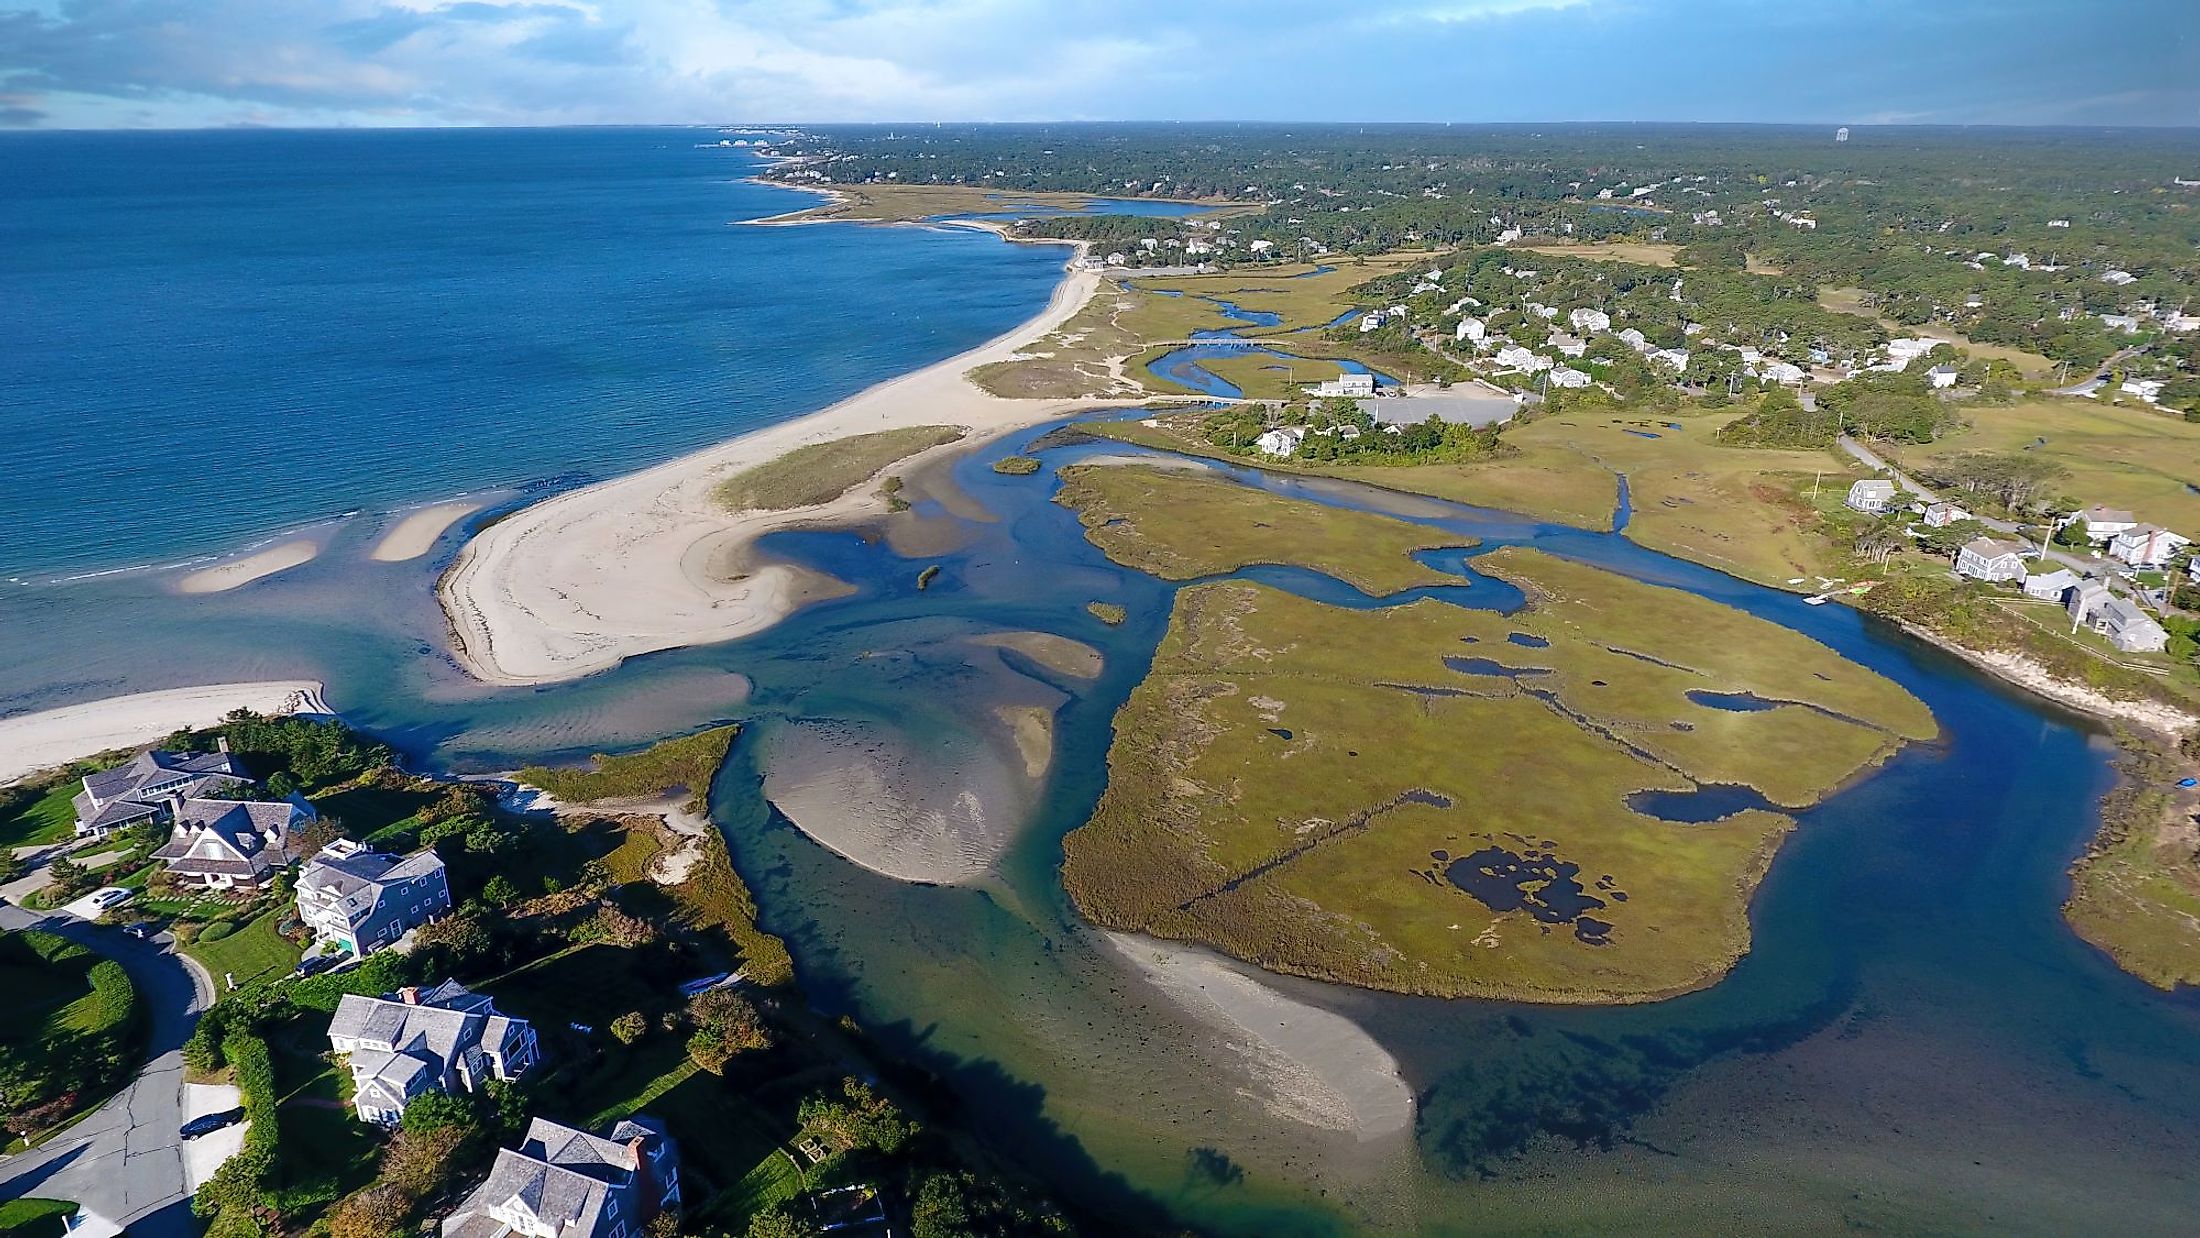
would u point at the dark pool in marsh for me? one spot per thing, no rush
(1915, 1041)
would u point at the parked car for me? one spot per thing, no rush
(317, 964)
(209, 1123)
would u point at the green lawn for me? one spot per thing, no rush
(44, 818)
(253, 950)
(325, 1152)
(33, 1218)
(591, 984)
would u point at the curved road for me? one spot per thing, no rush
(124, 1161)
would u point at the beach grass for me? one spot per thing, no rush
(1016, 466)
(684, 763)
(1107, 612)
(822, 472)
(1180, 525)
(1291, 780)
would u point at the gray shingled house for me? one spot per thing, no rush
(148, 786)
(444, 1039)
(232, 844)
(564, 1183)
(359, 900)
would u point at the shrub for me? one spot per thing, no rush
(217, 930)
(434, 1111)
(629, 1027)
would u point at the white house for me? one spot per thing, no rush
(1348, 386)
(1941, 515)
(1873, 495)
(1635, 339)
(1675, 357)
(1942, 376)
(1572, 346)
(2146, 545)
(1372, 322)
(2118, 278)
(1471, 330)
(2104, 523)
(1781, 372)
(1987, 558)
(1282, 441)
(2147, 389)
(1910, 349)
(2051, 587)
(1567, 376)
(1514, 357)
(1590, 320)
(2126, 323)
(1261, 247)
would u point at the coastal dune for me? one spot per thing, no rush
(50, 737)
(581, 581)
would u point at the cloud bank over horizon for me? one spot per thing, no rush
(192, 63)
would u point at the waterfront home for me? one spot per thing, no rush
(1348, 386)
(1567, 376)
(1942, 377)
(445, 1039)
(2103, 523)
(2146, 545)
(1279, 442)
(1586, 320)
(566, 1183)
(358, 901)
(232, 845)
(2053, 586)
(1986, 558)
(148, 786)
(1471, 331)
(1872, 496)
(1942, 514)
(2127, 627)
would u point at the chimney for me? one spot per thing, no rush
(410, 995)
(645, 1183)
(221, 744)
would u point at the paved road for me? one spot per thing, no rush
(2083, 566)
(125, 1161)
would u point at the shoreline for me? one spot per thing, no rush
(47, 739)
(583, 580)
(2158, 717)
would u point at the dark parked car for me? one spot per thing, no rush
(317, 964)
(210, 1123)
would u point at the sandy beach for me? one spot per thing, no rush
(580, 582)
(1300, 1062)
(35, 741)
(415, 534)
(238, 572)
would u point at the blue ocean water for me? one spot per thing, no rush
(215, 336)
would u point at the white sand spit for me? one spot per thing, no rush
(35, 741)
(223, 577)
(936, 812)
(581, 581)
(415, 535)
(1301, 1063)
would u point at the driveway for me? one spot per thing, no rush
(124, 1161)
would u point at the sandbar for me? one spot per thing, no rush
(50, 737)
(1059, 654)
(415, 535)
(583, 580)
(222, 577)
(1301, 1063)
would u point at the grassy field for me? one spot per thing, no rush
(686, 763)
(253, 949)
(1180, 525)
(38, 815)
(1293, 783)
(1640, 252)
(2129, 458)
(822, 472)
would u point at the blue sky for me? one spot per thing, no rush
(130, 63)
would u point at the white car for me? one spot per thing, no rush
(99, 902)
